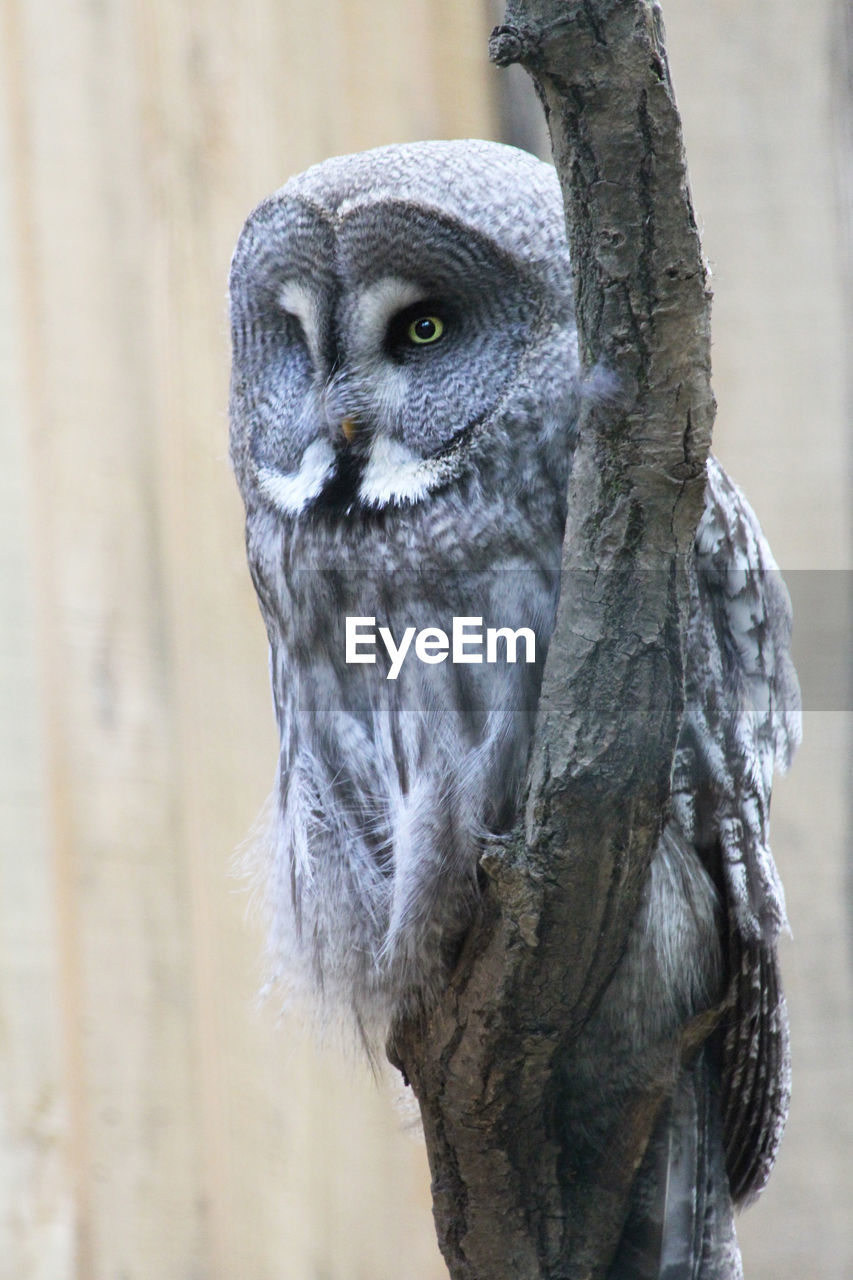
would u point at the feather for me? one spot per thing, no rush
(680, 1225)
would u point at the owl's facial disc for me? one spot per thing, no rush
(362, 384)
(373, 345)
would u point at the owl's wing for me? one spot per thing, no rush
(742, 719)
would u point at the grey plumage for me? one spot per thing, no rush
(415, 480)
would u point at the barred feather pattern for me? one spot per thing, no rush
(742, 720)
(742, 711)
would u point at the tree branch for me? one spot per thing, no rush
(519, 1188)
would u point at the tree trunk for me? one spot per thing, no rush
(518, 1192)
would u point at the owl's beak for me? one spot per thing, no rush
(349, 426)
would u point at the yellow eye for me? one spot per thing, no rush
(425, 329)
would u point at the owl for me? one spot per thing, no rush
(404, 407)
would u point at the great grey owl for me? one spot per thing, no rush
(403, 407)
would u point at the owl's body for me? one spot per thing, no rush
(404, 406)
(388, 786)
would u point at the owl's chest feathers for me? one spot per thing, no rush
(421, 659)
(388, 785)
(352, 601)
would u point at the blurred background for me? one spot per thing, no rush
(155, 1119)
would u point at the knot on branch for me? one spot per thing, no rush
(512, 44)
(562, 32)
(688, 470)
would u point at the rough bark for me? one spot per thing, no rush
(517, 1193)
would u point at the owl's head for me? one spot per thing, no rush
(396, 316)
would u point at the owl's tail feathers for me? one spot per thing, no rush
(680, 1225)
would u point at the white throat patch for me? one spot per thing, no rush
(394, 475)
(291, 491)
